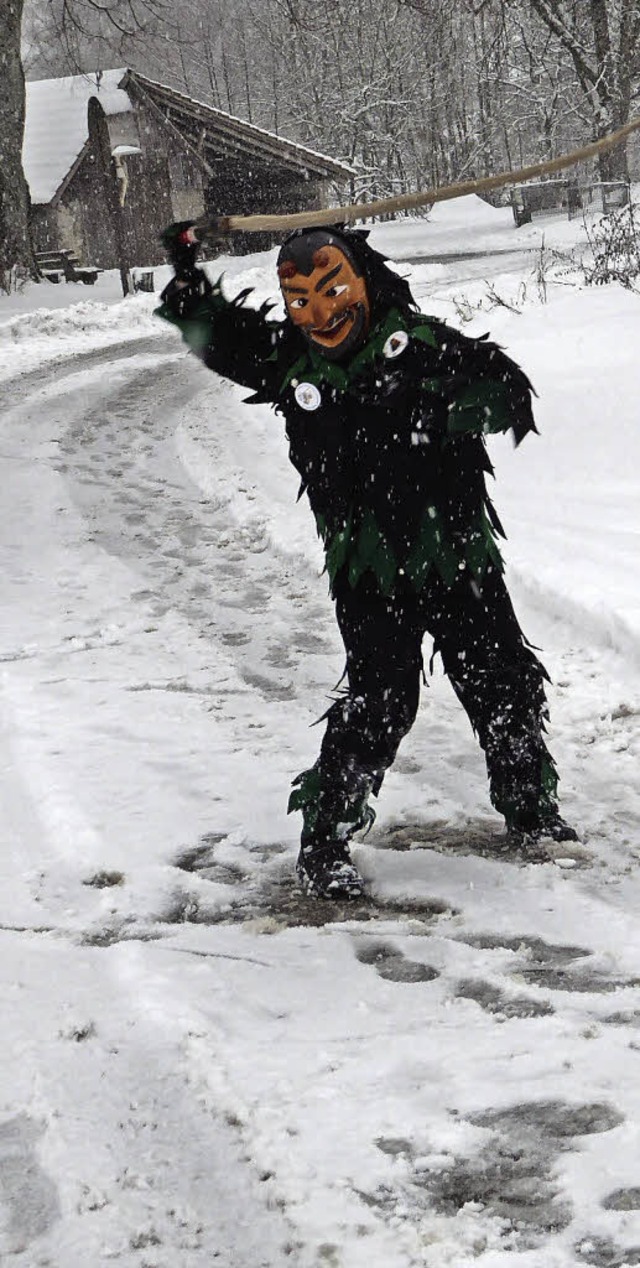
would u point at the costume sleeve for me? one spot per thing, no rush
(236, 341)
(486, 391)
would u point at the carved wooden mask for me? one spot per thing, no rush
(325, 293)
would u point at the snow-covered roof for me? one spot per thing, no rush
(56, 125)
(232, 128)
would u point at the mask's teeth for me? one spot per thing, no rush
(335, 321)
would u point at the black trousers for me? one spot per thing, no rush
(493, 671)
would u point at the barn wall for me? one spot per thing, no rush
(115, 235)
(187, 204)
(148, 207)
(164, 184)
(44, 227)
(73, 224)
(83, 216)
(186, 180)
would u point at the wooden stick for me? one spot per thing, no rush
(407, 202)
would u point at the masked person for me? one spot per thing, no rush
(386, 412)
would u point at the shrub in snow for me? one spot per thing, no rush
(615, 249)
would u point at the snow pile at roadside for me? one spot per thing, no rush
(570, 501)
(31, 336)
(471, 225)
(30, 296)
(34, 338)
(82, 318)
(463, 224)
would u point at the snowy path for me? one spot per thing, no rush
(201, 1070)
(90, 1170)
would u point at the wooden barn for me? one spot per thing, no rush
(112, 157)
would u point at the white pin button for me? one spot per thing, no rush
(308, 396)
(395, 345)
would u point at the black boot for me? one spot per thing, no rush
(528, 829)
(333, 806)
(326, 870)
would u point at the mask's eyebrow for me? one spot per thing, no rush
(328, 277)
(294, 290)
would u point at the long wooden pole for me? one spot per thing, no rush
(408, 202)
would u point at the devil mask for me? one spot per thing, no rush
(325, 292)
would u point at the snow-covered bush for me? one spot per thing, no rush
(615, 249)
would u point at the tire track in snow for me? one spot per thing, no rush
(116, 1152)
(140, 505)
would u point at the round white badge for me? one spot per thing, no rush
(308, 396)
(395, 345)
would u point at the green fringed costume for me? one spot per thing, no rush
(391, 453)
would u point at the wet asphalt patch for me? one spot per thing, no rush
(481, 838)
(511, 1176)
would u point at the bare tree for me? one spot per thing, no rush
(602, 38)
(364, 86)
(66, 37)
(16, 253)
(544, 110)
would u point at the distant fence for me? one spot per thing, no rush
(568, 196)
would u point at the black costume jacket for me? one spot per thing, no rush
(392, 457)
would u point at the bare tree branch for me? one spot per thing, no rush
(551, 14)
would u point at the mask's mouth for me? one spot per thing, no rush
(334, 328)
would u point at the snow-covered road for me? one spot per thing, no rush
(198, 1065)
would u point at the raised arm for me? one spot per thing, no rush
(237, 341)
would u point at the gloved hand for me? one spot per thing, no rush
(181, 246)
(190, 284)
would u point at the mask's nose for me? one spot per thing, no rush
(320, 311)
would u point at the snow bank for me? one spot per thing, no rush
(35, 338)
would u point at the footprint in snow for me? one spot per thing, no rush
(623, 1200)
(392, 965)
(482, 839)
(601, 1252)
(270, 893)
(500, 1003)
(549, 966)
(28, 1195)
